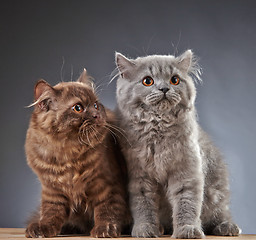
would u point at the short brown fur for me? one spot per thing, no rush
(78, 162)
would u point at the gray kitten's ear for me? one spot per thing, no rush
(86, 79)
(124, 65)
(184, 61)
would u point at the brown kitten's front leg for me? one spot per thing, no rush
(106, 224)
(108, 216)
(53, 214)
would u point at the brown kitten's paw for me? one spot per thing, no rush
(35, 230)
(227, 229)
(188, 232)
(161, 230)
(32, 230)
(106, 230)
(145, 230)
(48, 231)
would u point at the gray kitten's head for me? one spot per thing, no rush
(157, 82)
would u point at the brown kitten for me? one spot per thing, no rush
(70, 147)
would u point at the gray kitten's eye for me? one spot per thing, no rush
(175, 80)
(78, 108)
(148, 81)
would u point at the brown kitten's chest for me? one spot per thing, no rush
(67, 180)
(79, 178)
(75, 171)
(76, 190)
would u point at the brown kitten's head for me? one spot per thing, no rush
(70, 111)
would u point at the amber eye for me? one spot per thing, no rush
(175, 80)
(96, 106)
(78, 108)
(148, 81)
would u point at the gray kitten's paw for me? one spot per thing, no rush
(145, 230)
(227, 229)
(188, 232)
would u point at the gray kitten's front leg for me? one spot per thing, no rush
(185, 191)
(144, 207)
(186, 198)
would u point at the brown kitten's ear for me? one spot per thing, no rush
(42, 93)
(86, 79)
(184, 61)
(124, 65)
(41, 87)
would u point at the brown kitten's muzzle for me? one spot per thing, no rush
(92, 131)
(94, 116)
(98, 118)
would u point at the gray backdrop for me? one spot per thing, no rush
(54, 40)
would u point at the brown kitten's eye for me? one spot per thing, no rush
(175, 80)
(148, 81)
(96, 106)
(78, 108)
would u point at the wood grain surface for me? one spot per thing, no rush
(18, 233)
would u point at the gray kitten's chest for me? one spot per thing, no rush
(157, 143)
(154, 126)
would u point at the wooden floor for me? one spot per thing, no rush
(18, 234)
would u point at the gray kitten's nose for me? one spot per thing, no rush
(164, 90)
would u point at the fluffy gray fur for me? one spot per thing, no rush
(177, 178)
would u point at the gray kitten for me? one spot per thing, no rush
(178, 180)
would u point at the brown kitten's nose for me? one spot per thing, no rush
(97, 118)
(164, 90)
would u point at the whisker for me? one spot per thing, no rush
(87, 135)
(120, 130)
(115, 73)
(61, 70)
(95, 133)
(81, 140)
(100, 85)
(116, 127)
(71, 73)
(112, 133)
(83, 133)
(97, 137)
(81, 137)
